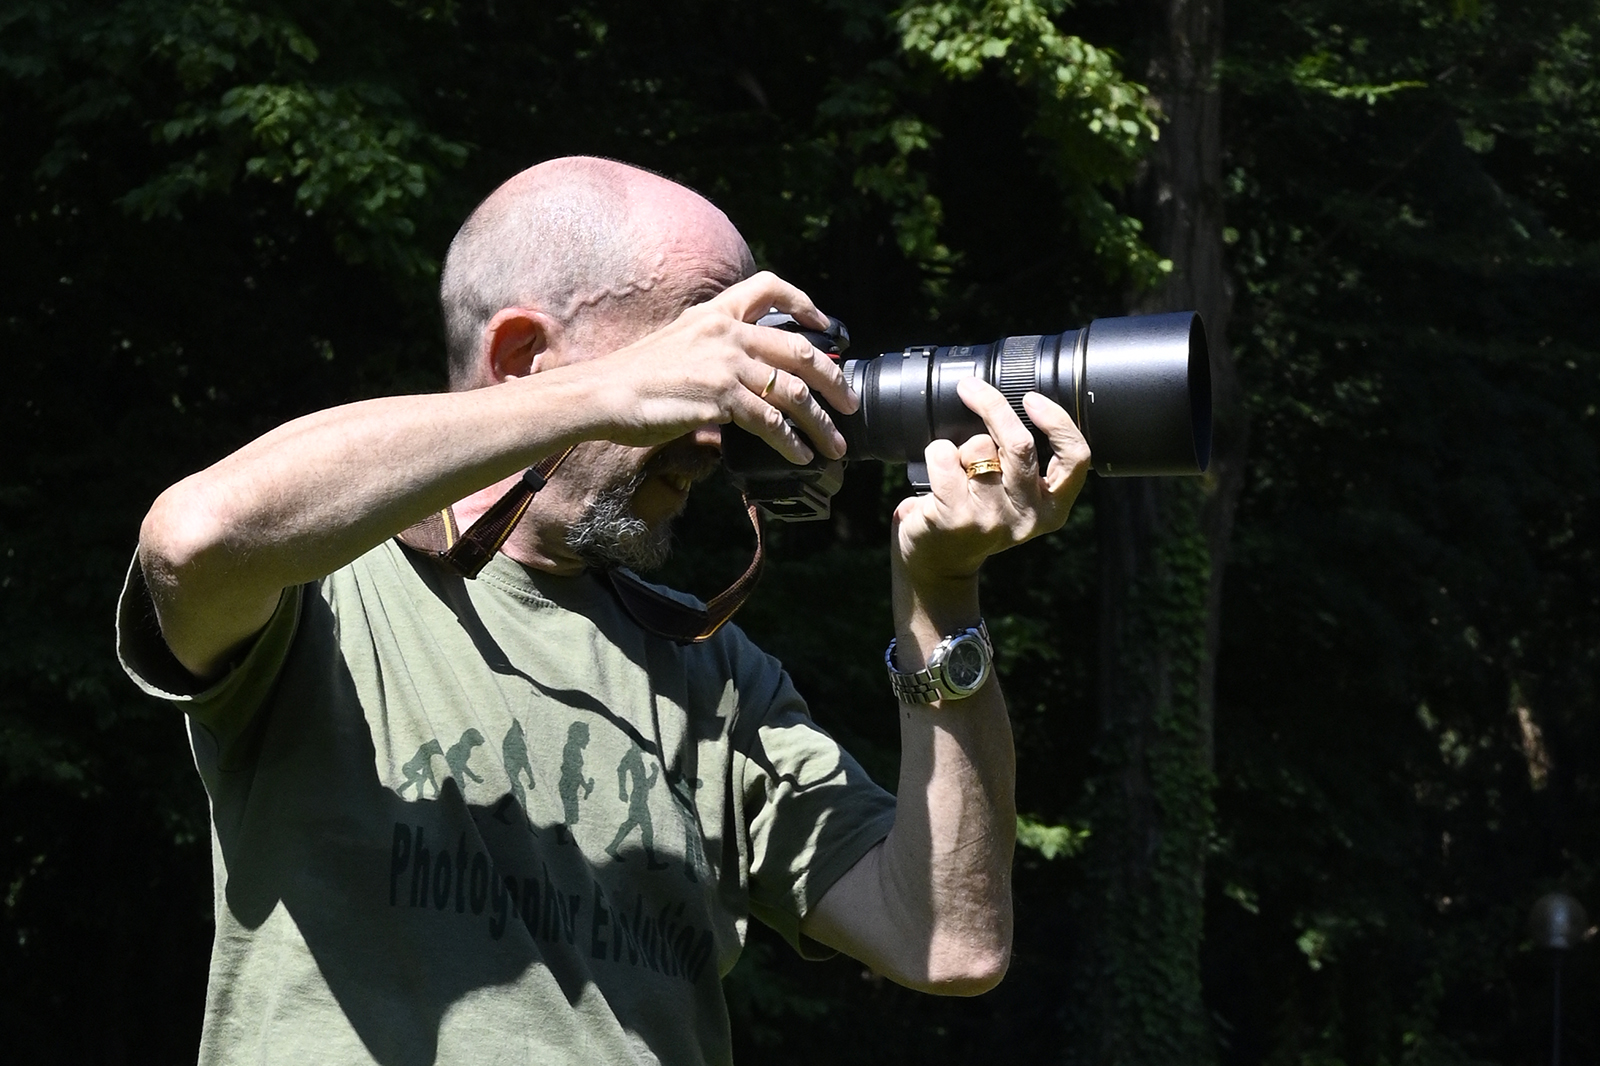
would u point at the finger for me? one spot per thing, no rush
(981, 461)
(790, 394)
(758, 416)
(792, 352)
(758, 294)
(947, 478)
(1069, 467)
(1019, 461)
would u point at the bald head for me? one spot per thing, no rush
(596, 244)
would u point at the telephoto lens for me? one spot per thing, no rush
(1139, 389)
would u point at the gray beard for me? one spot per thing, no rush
(609, 534)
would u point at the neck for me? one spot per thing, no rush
(539, 539)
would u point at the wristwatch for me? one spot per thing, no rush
(957, 667)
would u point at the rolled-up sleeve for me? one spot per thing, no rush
(810, 813)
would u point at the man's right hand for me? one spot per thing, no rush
(712, 365)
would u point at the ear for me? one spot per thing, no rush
(516, 342)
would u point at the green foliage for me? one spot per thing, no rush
(1072, 75)
(1051, 841)
(888, 144)
(1415, 268)
(349, 149)
(1093, 122)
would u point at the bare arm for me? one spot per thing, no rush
(930, 907)
(219, 547)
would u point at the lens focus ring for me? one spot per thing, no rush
(1018, 371)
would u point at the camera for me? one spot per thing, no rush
(1139, 388)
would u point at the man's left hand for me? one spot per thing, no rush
(969, 515)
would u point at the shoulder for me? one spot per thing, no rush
(385, 576)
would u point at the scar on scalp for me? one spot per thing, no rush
(653, 273)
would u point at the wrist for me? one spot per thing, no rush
(959, 665)
(927, 608)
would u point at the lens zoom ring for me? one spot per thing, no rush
(1019, 370)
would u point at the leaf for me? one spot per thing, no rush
(1051, 841)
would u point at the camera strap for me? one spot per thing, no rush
(439, 537)
(682, 623)
(467, 553)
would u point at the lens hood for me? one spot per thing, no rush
(1145, 395)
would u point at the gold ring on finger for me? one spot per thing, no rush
(773, 380)
(983, 466)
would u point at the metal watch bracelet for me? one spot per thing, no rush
(958, 666)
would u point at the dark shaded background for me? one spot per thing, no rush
(221, 214)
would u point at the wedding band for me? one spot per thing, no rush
(773, 380)
(983, 466)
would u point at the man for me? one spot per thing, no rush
(370, 909)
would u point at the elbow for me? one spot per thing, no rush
(181, 537)
(967, 950)
(974, 972)
(966, 962)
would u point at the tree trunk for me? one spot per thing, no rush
(1163, 543)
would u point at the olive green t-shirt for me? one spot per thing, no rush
(494, 821)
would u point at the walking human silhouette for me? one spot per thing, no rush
(460, 753)
(514, 754)
(638, 800)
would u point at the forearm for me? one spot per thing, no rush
(955, 826)
(931, 906)
(313, 494)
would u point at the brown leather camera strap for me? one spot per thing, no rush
(665, 616)
(467, 553)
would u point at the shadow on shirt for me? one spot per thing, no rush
(409, 906)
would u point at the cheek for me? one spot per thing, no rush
(600, 464)
(563, 500)
(656, 501)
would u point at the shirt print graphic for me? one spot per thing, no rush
(620, 911)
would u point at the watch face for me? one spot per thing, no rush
(966, 664)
